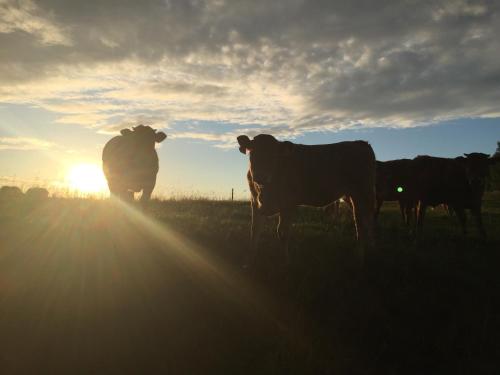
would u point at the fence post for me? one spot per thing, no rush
(232, 194)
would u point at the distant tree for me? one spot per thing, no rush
(493, 182)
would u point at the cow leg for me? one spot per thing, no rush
(409, 211)
(402, 209)
(412, 209)
(114, 189)
(355, 214)
(363, 215)
(127, 196)
(113, 194)
(283, 230)
(146, 196)
(476, 212)
(336, 210)
(123, 195)
(255, 233)
(333, 210)
(421, 207)
(462, 218)
(378, 207)
(348, 200)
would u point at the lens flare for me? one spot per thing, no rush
(86, 178)
(399, 189)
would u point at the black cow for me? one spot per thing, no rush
(459, 183)
(395, 183)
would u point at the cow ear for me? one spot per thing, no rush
(244, 142)
(125, 131)
(287, 147)
(160, 137)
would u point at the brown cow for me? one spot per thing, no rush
(394, 183)
(459, 183)
(130, 162)
(284, 175)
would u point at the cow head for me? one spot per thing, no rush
(476, 166)
(266, 153)
(144, 136)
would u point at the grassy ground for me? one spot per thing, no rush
(87, 287)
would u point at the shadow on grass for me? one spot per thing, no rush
(82, 287)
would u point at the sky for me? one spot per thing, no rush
(410, 77)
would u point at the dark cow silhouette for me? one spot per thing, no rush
(459, 183)
(284, 175)
(36, 194)
(130, 162)
(395, 183)
(10, 193)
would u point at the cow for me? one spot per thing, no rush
(395, 183)
(10, 199)
(10, 193)
(459, 183)
(36, 194)
(284, 175)
(130, 162)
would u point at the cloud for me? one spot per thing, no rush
(220, 140)
(21, 15)
(290, 66)
(24, 143)
(156, 122)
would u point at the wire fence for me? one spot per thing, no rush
(161, 192)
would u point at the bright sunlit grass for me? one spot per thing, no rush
(87, 179)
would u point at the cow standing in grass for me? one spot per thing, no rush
(395, 183)
(36, 194)
(284, 175)
(130, 162)
(459, 183)
(9, 193)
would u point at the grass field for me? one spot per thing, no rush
(91, 288)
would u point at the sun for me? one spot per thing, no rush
(86, 178)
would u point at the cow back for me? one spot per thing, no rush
(320, 174)
(441, 180)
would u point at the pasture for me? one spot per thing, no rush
(89, 288)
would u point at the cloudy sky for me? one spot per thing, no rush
(411, 77)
